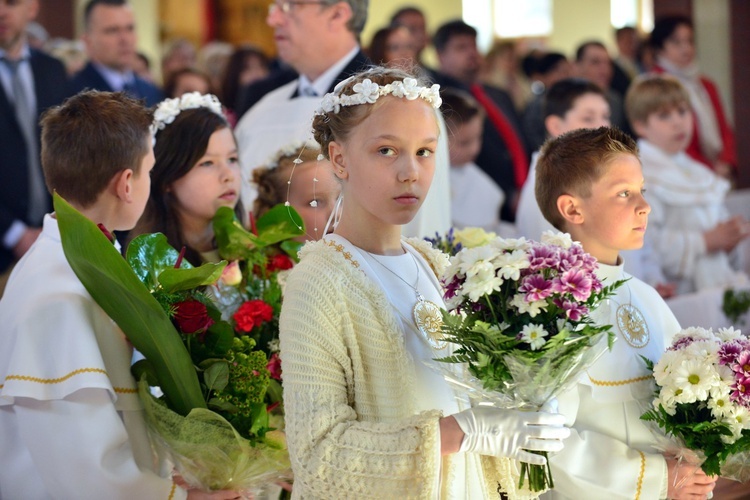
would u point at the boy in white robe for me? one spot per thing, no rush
(71, 423)
(590, 184)
(475, 197)
(691, 230)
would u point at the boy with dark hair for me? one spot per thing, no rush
(475, 198)
(71, 424)
(569, 104)
(590, 185)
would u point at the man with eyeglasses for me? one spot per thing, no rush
(320, 40)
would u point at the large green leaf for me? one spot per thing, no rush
(153, 259)
(115, 287)
(234, 241)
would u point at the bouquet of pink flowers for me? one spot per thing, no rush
(703, 400)
(519, 319)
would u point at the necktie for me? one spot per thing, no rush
(508, 134)
(308, 91)
(26, 118)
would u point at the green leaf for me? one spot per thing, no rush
(153, 260)
(142, 368)
(235, 242)
(216, 376)
(118, 290)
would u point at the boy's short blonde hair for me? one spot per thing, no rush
(89, 139)
(572, 163)
(649, 94)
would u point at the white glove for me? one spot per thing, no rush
(509, 433)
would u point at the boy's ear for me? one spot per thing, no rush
(569, 208)
(122, 183)
(336, 154)
(554, 125)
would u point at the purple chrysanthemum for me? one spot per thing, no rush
(536, 287)
(742, 365)
(575, 282)
(573, 310)
(741, 392)
(543, 257)
(728, 352)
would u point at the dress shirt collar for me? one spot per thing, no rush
(116, 79)
(325, 81)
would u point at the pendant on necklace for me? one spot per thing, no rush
(429, 320)
(632, 325)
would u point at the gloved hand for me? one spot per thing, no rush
(509, 433)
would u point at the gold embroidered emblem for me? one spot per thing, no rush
(632, 326)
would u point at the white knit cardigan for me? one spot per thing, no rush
(349, 382)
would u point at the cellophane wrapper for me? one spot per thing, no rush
(209, 453)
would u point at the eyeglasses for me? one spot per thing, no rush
(286, 7)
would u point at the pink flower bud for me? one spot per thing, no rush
(231, 275)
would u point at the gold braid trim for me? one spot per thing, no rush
(171, 492)
(340, 248)
(27, 378)
(616, 383)
(640, 477)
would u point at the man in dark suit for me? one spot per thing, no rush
(31, 82)
(504, 154)
(110, 41)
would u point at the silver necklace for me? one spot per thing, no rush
(426, 314)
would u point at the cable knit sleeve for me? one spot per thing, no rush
(348, 432)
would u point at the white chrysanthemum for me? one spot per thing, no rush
(726, 374)
(510, 264)
(472, 260)
(510, 244)
(558, 239)
(534, 336)
(738, 420)
(719, 404)
(668, 399)
(532, 308)
(664, 368)
(695, 379)
(705, 350)
(728, 334)
(482, 282)
(695, 332)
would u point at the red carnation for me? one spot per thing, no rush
(192, 316)
(251, 314)
(274, 366)
(279, 262)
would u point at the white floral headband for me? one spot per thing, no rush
(168, 109)
(289, 150)
(367, 92)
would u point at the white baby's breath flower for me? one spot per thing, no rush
(534, 335)
(558, 239)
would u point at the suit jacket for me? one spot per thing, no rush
(51, 87)
(257, 90)
(90, 78)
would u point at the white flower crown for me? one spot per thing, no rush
(367, 92)
(168, 109)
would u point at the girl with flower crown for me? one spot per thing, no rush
(299, 176)
(196, 172)
(365, 415)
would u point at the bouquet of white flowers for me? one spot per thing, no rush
(519, 319)
(703, 400)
